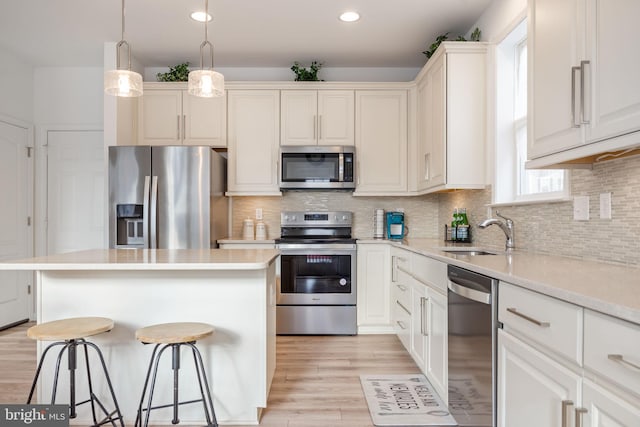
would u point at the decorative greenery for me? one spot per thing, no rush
(474, 37)
(310, 75)
(179, 73)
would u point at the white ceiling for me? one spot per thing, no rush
(245, 33)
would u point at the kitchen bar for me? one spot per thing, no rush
(232, 290)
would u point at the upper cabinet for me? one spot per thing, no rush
(254, 134)
(381, 142)
(583, 99)
(170, 116)
(323, 117)
(451, 118)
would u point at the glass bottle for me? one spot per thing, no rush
(463, 226)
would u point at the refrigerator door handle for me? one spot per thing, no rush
(153, 244)
(145, 211)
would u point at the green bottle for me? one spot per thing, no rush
(463, 226)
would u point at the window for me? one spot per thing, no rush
(513, 182)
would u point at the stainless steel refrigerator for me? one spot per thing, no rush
(166, 197)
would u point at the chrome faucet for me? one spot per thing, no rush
(506, 226)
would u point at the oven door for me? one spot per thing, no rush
(317, 274)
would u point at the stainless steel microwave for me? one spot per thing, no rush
(317, 167)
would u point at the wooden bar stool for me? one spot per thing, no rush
(71, 333)
(175, 335)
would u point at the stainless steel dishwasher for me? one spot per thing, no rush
(472, 335)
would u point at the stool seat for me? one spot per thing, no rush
(174, 333)
(70, 329)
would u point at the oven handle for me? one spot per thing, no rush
(472, 294)
(302, 249)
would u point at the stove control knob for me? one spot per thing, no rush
(343, 282)
(344, 218)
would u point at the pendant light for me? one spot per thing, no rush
(123, 82)
(206, 83)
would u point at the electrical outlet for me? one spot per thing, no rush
(259, 213)
(581, 208)
(605, 205)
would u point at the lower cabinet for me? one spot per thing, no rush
(373, 275)
(420, 314)
(557, 372)
(532, 388)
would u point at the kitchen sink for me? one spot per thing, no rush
(467, 251)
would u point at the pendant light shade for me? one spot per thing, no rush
(206, 83)
(123, 82)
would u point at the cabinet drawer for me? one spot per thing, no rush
(550, 322)
(402, 323)
(429, 272)
(401, 292)
(612, 349)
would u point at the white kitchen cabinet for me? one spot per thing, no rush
(583, 98)
(451, 118)
(552, 352)
(419, 324)
(401, 295)
(253, 140)
(381, 142)
(322, 117)
(173, 117)
(437, 356)
(374, 274)
(533, 388)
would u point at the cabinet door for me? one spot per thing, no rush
(253, 136)
(205, 120)
(381, 142)
(432, 126)
(161, 120)
(437, 354)
(336, 117)
(532, 387)
(614, 61)
(373, 287)
(419, 325)
(555, 45)
(299, 117)
(604, 409)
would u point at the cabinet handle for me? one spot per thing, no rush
(573, 97)
(405, 271)
(427, 166)
(565, 411)
(579, 413)
(401, 324)
(178, 126)
(584, 115)
(315, 127)
(403, 307)
(423, 316)
(620, 359)
(402, 287)
(530, 319)
(184, 127)
(320, 127)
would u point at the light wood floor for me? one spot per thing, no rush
(316, 382)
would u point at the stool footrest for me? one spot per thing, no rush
(170, 405)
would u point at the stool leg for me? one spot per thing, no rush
(153, 384)
(90, 383)
(109, 416)
(71, 365)
(175, 365)
(197, 358)
(35, 379)
(144, 388)
(55, 378)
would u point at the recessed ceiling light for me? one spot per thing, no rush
(201, 16)
(350, 16)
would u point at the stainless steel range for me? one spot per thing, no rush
(317, 292)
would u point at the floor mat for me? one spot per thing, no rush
(404, 400)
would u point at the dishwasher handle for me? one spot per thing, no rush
(469, 293)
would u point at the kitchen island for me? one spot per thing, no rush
(235, 291)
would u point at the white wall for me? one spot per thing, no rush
(68, 95)
(499, 16)
(16, 87)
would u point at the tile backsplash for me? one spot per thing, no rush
(545, 228)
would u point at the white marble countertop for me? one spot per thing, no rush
(608, 288)
(149, 259)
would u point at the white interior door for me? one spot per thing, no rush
(75, 191)
(16, 239)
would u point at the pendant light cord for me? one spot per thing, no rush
(122, 26)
